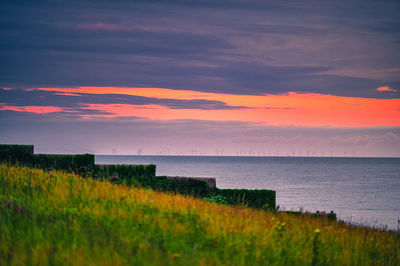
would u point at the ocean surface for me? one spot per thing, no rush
(360, 190)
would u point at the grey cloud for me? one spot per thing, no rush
(76, 103)
(389, 27)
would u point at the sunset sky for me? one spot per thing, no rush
(237, 77)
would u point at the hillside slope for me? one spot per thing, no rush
(62, 219)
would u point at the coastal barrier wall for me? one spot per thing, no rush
(136, 175)
(15, 153)
(24, 155)
(211, 181)
(126, 170)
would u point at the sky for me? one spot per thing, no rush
(227, 77)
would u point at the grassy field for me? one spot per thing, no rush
(62, 219)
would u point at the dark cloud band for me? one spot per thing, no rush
(235, 46)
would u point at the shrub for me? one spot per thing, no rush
(257, 198)
(185, 186)
(127, 174)
(216, 198)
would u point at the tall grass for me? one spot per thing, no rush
(62, 219)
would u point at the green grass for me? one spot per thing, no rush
(62, 219)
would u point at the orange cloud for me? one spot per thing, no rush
(288, 109)
(385, 88)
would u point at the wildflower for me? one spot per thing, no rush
(8, 202)
(317, 231)
(20, 208)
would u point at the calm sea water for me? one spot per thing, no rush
(360, 190)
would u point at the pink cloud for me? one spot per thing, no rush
(385, 88)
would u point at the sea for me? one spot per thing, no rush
(361, 191)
